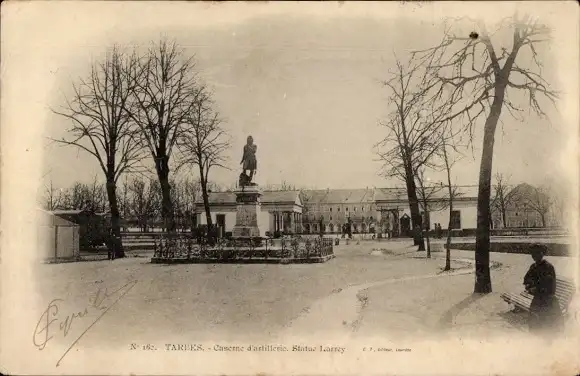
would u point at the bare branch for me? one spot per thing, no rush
(470, 94)
(99, 124)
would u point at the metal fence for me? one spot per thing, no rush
(188, 247)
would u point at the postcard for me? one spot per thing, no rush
(289, 188)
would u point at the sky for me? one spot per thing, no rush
(305, 82)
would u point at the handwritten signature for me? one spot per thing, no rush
(52, 322)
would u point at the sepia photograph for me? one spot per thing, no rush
(289, 188)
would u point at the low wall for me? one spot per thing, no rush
(553, 249)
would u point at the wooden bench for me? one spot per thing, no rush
(565, 291)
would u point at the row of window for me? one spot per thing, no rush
(314, 217)
(455, 219)
(331, 227)
(524, 223)
(346, 208)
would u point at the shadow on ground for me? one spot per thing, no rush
(515, 319)
(447, 319)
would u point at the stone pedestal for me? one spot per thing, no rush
(248, 213)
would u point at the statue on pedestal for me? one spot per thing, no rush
(249, 163)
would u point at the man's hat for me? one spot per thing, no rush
(538, 248)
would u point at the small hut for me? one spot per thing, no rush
(57, 237)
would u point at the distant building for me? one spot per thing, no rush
(393, 204)
(368, 210)
(526, 207)
(335, 207)
(281, 211)
(384, 210)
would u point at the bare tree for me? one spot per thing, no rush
(53, 198)
(163, 99)
(540, 201)
(96, 195)
(412, 131)
(429, 201)
(203, 142)
(305, 197)
(190, 188)
(177, 196)
(502, 198)
(124, 204)
(75, 197)
(560, 204)
(82, 196)
(100, 126)
(476, 76)
(184, 196)
(452, 193)
(144, 201)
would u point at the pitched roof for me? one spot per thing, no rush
(339, 195)
(434, 192)
(390, 194)
(67, 212)
(267, 197)
(280, 196)
(220, 198)
(526, 192)
(523, 189)
(48, 218)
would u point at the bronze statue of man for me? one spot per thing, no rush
(249, 162)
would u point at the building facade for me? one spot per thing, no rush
(368, 210)
(329, 210)
(281, 211)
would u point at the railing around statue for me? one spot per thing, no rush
(188, 247)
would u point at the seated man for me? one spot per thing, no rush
(540, 281)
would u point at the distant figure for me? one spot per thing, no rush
(349, 228)
(249, 162)
(540, 281)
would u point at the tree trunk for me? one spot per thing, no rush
(115, 244)
(162, 167)
(448, 252)
(450, 192)
(448, 241)
(503, 216)
(416, 223)
(205, 196)
(428, 243)
(482, 241)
